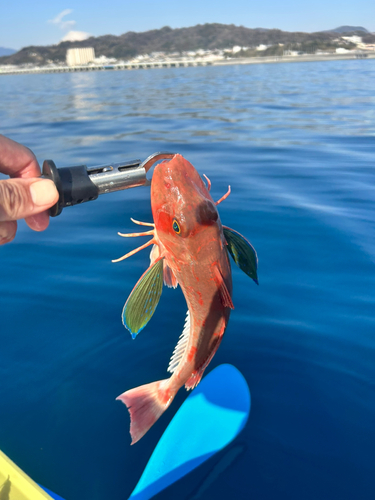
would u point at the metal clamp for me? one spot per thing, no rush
(80, 184)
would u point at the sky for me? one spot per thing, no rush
(46, 22)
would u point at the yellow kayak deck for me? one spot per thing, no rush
(16, 485)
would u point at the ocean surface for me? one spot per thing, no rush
(296, 142)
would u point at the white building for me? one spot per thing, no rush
(77, 57)
(342, 50)
(353, 39)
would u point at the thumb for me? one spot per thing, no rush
(20, 198)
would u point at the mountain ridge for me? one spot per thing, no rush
(6, 51)
(207, 37)
(347, 29)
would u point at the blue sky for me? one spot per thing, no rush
(24, 23)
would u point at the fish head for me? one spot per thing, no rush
(186, 218)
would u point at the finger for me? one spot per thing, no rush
(17, 160)
(38, 222)
(7, 231)
(21, 198)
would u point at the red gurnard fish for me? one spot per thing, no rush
(190, 249)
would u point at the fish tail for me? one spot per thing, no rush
(145, 404)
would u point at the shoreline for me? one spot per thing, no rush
(296, 59)
(201, 62)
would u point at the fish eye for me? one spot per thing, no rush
(176, 227)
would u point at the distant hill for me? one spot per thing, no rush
(349, 29)
(168, 40)
(367, 36)
(6, 52)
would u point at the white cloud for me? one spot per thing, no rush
(58, 18)
(71, 36)
(75, 36)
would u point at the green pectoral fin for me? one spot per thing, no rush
(144, 298)
(243, 253)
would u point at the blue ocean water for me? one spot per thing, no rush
(296, 142)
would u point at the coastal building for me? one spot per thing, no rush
(342, 50)
(77, 57)
(353, 39)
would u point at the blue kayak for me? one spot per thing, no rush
(209, 419)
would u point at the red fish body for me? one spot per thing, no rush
(190, 249)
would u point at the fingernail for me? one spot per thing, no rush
(43, 192)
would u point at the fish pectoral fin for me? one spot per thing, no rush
(226, 299)
(144, 298)
(242, 252)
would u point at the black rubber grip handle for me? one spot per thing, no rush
(73, 184)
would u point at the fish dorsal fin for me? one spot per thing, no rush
(180, 348)
(169, 278)
(243, 253)
(226, 299)
(144, 298)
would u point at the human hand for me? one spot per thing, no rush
(25, 195)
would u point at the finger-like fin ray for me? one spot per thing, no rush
(223, 197)
(142, 223)
(132, 235)
(208, 182)
(135, 251)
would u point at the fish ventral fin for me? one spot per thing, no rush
(242, 252)
(144, 298)
(196, 376)
(169, 278)
(180, 348)
(226, 299)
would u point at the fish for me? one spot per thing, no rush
(190, 248)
